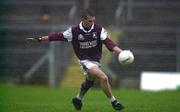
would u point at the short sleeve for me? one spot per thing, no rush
(68, 34)
(104, 34)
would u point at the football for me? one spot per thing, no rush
(126, 57)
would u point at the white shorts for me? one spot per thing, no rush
(87, 64)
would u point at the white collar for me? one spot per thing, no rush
(82, 28)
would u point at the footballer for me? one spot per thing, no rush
(87, 39)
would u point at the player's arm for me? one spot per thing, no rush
(44, 38)
(108, 42)
(117, 50)
(65, 36)
(50, 37)
(112, 46)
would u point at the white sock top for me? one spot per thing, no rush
(112, 99)
(79, 97)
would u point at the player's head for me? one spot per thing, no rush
(88, 18)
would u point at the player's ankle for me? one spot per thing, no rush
(79, 97)
(112, 99)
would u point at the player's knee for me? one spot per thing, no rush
(104, 78)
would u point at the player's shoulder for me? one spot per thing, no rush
(75, 28)
(98, 27)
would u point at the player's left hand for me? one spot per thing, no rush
(33, 41)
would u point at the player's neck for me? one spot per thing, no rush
(85, 27)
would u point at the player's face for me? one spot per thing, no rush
(88, 21)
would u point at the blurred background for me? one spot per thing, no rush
(149, 28)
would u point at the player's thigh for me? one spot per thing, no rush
(97, 72)
(90, 77)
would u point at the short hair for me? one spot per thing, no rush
(87, 12)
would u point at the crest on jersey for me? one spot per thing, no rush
(80, 37)
(94, 35)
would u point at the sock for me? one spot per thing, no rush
(112, 98)
(79, 97)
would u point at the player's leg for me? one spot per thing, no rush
(93, 70)
(85, 86)
(104, 82)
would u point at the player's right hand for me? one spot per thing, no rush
(33, 41)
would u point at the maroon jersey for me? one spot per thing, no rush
(86, 44)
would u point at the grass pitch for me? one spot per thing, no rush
(42, 99)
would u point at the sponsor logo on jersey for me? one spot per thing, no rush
(94, 35)
(80, 37)
(88, 44)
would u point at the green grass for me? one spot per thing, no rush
(43, 99)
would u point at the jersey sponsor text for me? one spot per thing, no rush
(88, 44)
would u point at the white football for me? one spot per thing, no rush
(126, 57)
